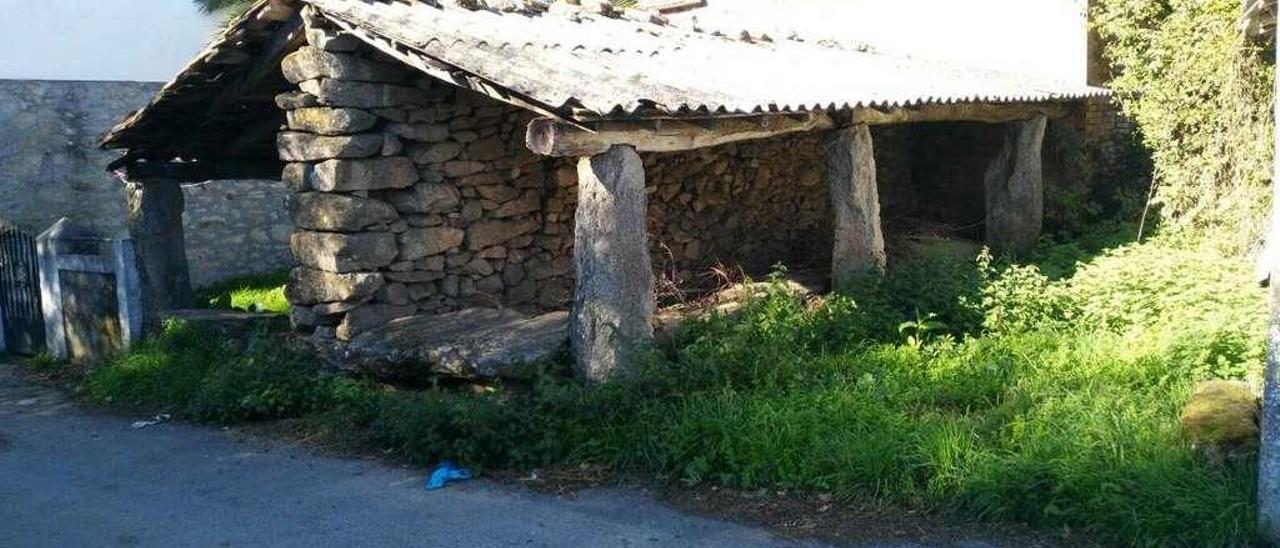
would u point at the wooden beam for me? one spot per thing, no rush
(551, 138)
(990, 113)
(555, 138)
(187, 172)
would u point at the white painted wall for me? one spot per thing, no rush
(131, 40)
(1045, 38)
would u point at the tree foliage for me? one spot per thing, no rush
(1200, 93)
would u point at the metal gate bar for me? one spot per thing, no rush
(21, 317)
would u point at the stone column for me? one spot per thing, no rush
(613, 302)
(1014, 188)
(855, 204)
(155, 224)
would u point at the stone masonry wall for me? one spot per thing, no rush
(415, 196)
(236, 228)
(51, 167)
(755, 204)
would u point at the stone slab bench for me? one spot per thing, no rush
(476, 343)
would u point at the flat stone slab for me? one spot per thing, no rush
(471, 343)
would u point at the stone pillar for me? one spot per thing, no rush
(1014, 188)
(155, 223)
(613, 302)
(855, 204)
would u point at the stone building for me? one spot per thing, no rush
(464, 155)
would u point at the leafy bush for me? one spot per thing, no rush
(198, 374)
(1201, 97)
(1051, 400)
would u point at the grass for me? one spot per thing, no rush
(256, 293)
(1046, 393)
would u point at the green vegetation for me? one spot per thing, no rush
(1201, 95)
(257, 293)
(1046, 393)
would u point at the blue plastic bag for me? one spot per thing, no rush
(445, 473)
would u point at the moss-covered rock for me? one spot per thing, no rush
(1222, 415)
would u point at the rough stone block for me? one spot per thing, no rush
(614, 298)
(426, 133)
(335, 41)
(428, 198)
(423, 242)
(529, 202)
(310, 63)
(371, 316)
(368, 174)
(291, 100)
(414, 277)
(308, 147)
(437, 153)
(470, 343)
(297, 176)
(490, 233)
(337, 252)
(339, 213)
(487, 149)
(308, 286)
(331, 121)
(345, 93)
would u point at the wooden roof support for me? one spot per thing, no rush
(550, 138)
(553, 138)
(989, 113)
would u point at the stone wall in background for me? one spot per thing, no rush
(51, 167)
(236, 228)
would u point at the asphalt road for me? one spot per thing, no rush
(70, 477)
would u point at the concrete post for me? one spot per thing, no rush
(855, 204)
(155, 225)
(1269, 450)
(1014, 187)
(614, 298)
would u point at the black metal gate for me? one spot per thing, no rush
(21, 317)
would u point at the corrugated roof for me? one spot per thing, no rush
(592, 65)
(564, 63)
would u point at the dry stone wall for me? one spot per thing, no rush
(416, 197)
(413, 196)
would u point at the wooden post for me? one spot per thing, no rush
(155, 225)
(613, 301)
(1014, 187)
(855, 204)
(1269, 449)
